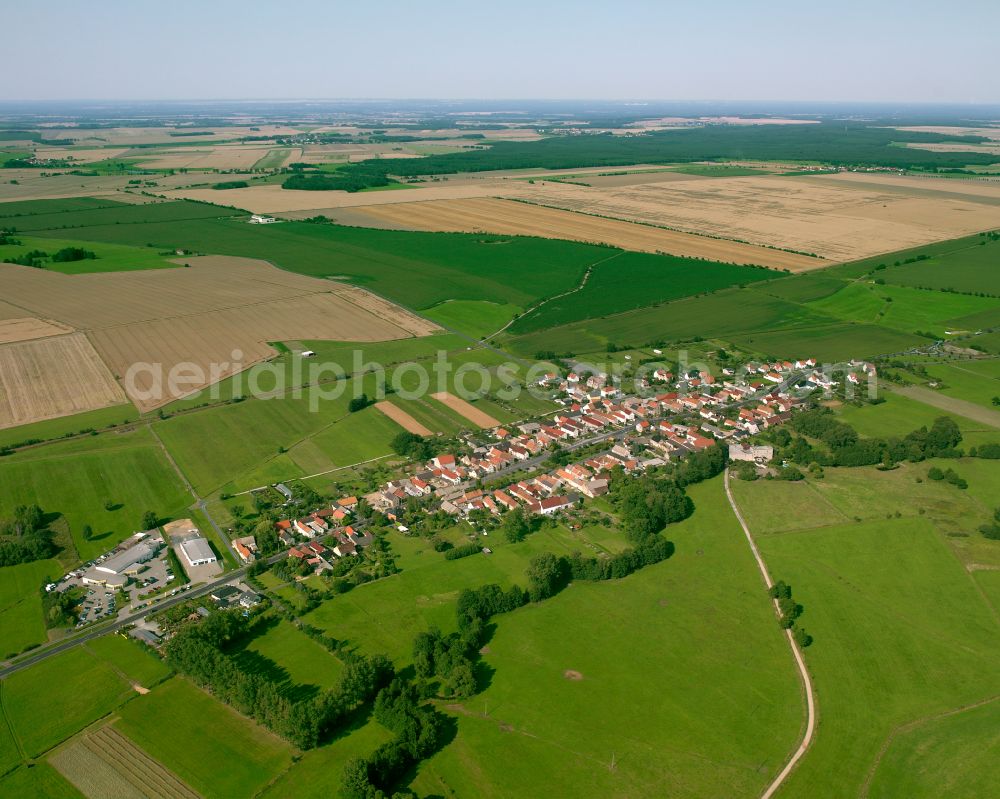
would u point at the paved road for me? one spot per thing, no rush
(124, 620)
(803, 671)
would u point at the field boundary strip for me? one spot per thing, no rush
(797, 654)
(402, 418)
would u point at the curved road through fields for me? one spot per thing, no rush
(803, 672)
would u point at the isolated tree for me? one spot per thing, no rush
(515, 525)
(150, 520)
(88, 532)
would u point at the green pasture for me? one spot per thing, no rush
(76, 479)
(630, 280)
(952, 755)
(195, 736)
(900, 633)
(58, 697)
(476, 318)
(292, 658)
(110, 257)
(682, 662)
(21, 620)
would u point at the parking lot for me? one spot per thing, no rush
(99, 602)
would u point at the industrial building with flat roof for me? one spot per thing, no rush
(197, 551)
(117, 569)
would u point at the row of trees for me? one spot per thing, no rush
(200, 652)
(789, 611)
(420, 731)
(844, 447)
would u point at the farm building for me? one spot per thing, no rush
(197, 552)
(258, 219)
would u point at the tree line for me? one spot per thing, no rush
(200, 651)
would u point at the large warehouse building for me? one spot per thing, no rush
(197, 551)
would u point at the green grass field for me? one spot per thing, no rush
(110, 257)
(214, 749)
(58, 697)
(900, 415)
(901, 307)
(974, 381)
(416, 269)
(287, 370)
(131, 659)
(274, 158)
(719, 315)
(69, 425)
(21, 621)
(963, 265)
(77, 478)
(40, 781)
(632, 280)
(946, 756)
(293, 658)
(38, 215)
(900, 633)
(317, 774)
(802, 288)
(684, 681)
(239, 445)
(476, 318)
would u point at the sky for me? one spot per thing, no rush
(837, 50)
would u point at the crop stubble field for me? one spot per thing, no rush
(200, 315)
(51, 377)
(466, 409)
(402, 418)
(105, 761)
(834, 218)
(503, 216)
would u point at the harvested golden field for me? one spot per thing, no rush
(81, 155)
(505, 216)
(128, 136)
(104, 763)
(839, 220)
(8, 311)
(214, 318)
(981, 190)
(31, 185)
(222, 156)
(611, 180)
(27, 328)
(466, 409)
(52, 377)
(402, 418)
